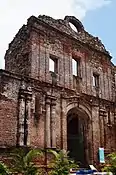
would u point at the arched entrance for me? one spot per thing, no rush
(76, 135)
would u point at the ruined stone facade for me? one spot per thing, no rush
(59, 108)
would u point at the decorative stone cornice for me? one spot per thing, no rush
(25, 92)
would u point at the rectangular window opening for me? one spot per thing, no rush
(75, 67)
(53, 65)
(96, 80)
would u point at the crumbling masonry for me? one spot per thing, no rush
(61, 105)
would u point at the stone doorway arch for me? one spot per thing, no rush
(78, 135)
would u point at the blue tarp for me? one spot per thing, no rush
(85, 172)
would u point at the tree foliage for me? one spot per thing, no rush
(61, 165)
(111, 167)
(4, 169)
(23, 161)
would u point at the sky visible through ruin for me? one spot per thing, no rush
(97, 16)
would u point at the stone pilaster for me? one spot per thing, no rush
(25, 95)
(28, 118)
(63, 125)
(86, 135)
(102, 114)
(53, 124)
(47, 123)
(96, 132)
(21, 119)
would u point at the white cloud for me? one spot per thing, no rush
(14, 13)
(81, 7)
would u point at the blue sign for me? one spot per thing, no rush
(101, 155)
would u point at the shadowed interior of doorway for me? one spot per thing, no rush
(76, 137)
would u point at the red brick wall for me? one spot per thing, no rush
(8, 122)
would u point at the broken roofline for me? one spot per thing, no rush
(89, 40)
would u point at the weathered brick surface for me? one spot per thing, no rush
(8, 110)
(26, 86)
(8, 122)
(17, 57)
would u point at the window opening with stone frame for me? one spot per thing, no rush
(75, 67)
(53, 64)
(96, 80)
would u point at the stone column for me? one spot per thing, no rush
(102, 114)
(53, 124)
(24, 115)
(63, 125)
(96, 133)
(47, 123)
(89, 134)
(21, 119)
(28, 118)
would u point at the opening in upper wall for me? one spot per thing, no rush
(73, 27)
(95, 80)
(74, 22)
(53, 64)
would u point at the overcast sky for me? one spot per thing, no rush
(96, 15)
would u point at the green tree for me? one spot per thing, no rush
(61, 165)
(23, 161)
(4, 169)
(111, 167)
